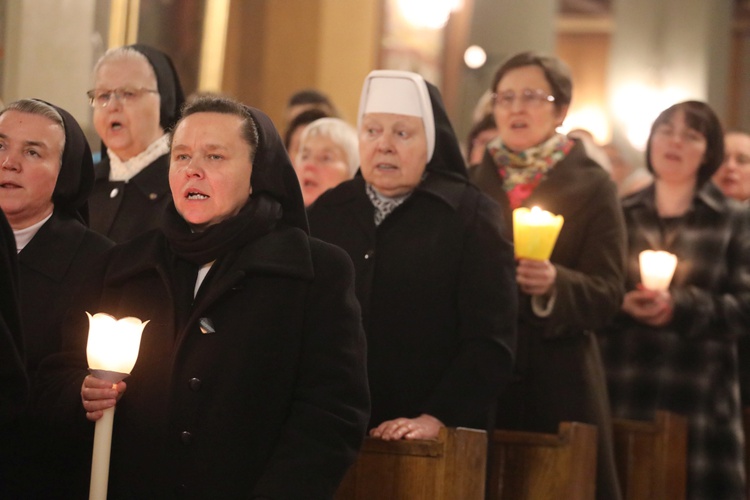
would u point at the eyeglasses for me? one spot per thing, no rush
(101, 98)
(527, 97)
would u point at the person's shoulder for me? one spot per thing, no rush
(345, 192)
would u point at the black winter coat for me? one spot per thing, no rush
(270, 402)
(122, 210)
(437, 288)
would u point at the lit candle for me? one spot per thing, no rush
(112, 350)
(535, 232)
(657, 268)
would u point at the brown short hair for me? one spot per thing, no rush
(555, 71)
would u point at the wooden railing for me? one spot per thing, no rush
(536, 466)
(449, 468)
(652, 457)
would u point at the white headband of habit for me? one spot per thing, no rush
(401, 93)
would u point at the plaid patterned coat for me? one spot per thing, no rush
(689, 366)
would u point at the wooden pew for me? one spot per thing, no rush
(537, 466)
(652, 457)
(449, 468)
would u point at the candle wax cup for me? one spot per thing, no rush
(657, 268)
(535, 232)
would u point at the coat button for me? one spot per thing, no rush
(186, 437)
(206, 326)
(114, 193)
(195, 384)
(152, 196)
(369, 254)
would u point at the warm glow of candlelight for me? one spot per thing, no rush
(112, 350)
(535, 232)
(657, 268)
(113, 344)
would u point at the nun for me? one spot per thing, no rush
(136, 98)
(251, 378)
(434, 274)
(46, 175)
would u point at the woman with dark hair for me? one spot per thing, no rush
(434, 273)
(559, 375)
(136, 98)
(46, 175)
(251, 378)
(675, 350)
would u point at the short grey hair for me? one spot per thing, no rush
(123, 54)
(39, 108)
(341, 133)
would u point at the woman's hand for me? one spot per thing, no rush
(423, 427)
(97, 395)
(651, 307)
(535, 277)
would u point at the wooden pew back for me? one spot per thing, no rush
(652, 457)
(536, 466)
(449, 468)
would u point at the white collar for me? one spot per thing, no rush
(125, 170)
(25, 235)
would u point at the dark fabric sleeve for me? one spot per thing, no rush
(723, 313)
(488, 303)
(588, 296)
(13, 382)
(331, 407)
(56, 392)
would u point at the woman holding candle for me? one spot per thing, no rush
(558, 375)
(434, 273)
(251, 377)
(675, 349)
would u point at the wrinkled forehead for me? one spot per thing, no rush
(126, 70)
(31, 128)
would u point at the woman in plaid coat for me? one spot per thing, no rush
(676, 350)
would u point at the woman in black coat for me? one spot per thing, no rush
(559, 375)
(56, 251)
(434, 273)
(251, 378)
(136, 98)
(13, 383)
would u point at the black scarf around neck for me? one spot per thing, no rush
(257, 218)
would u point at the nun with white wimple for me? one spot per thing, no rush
(434, 275)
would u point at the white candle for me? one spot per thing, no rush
(657, 268)
(112, 350)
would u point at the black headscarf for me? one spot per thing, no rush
(447, 158)
(76, 178)
(276, 199)
(168, 83)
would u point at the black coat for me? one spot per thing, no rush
(53, 266)
(49, 285)
(13, 383)
(559, 375)
(122, 210)
(273, 404)
(437, 289)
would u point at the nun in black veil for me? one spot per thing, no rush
(251, 378)
(46, 175)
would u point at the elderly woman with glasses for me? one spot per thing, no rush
(136, 99)
(559, 374)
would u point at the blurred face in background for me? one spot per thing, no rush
(677, 150)
(129, 122)
(321, 165)
(392, 152)
(524, 114)
(733, 177)
(30, 152)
